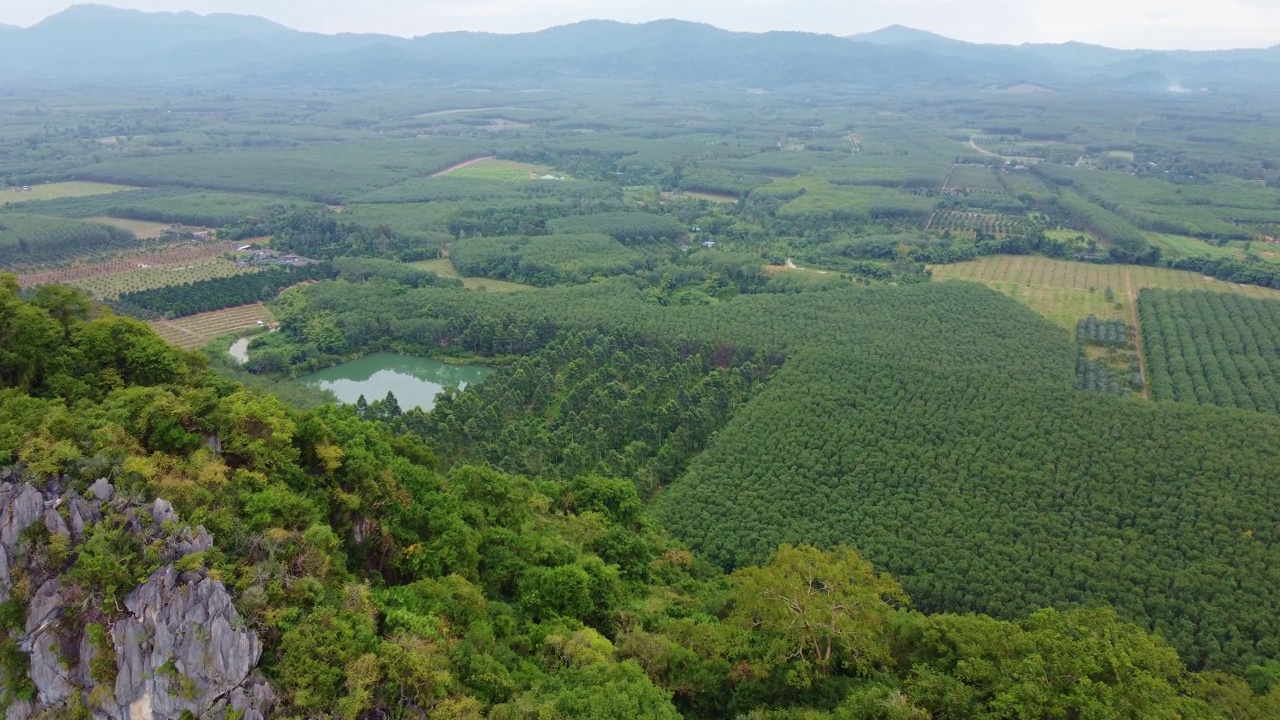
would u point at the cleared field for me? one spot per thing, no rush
(147, 277)
(440, 266)
(141, 229)
(1066, 291)
(198, 330)
(500, 171)
(58, 191)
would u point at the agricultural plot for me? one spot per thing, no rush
(1024, 183)
(1065, 291)
(974, 177)
(198, 330)
(1212, 348)
(204, 208)
(1227, 208)
(150, 277)
(121, 264)
(29, 241)
(810, 197)
(970, 223)
(324, 172)
(1107, 360)
(59, 191)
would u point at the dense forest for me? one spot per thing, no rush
(379, 583)
(866, 447)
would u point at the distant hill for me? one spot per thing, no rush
(94, 42)
(903, 35)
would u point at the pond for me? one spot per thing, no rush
(416, 381)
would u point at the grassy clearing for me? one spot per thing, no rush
(1182, 246)
(198, 330)
(488, 285)
(441, 266)
(147, 277)
(1066, 291)
(445, 269)
(58, 191)
(501, 171)
(141, 229)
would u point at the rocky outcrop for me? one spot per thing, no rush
(179, 645)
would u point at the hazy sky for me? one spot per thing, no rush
(1196, 24)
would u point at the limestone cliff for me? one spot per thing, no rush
(174, 645)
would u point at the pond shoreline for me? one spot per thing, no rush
(415, 381)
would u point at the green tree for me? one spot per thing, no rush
(817, 609)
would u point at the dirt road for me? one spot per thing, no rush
(459, 166)
(1137, 332)
(973, 144)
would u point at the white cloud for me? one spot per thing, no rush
(1120, 23)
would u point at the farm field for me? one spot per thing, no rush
(198, 330)
(1065, 291)
(59, 191)
(158, 276)
(968, 224)
(185, 254)
(1212, 348)
(141, 229)
(974, 177)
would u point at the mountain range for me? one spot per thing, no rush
(99, 43)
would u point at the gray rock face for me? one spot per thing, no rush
(179, 644)
(102, 490)
(162, 511)
(181, 648)
(22, 507)
(49, 672)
